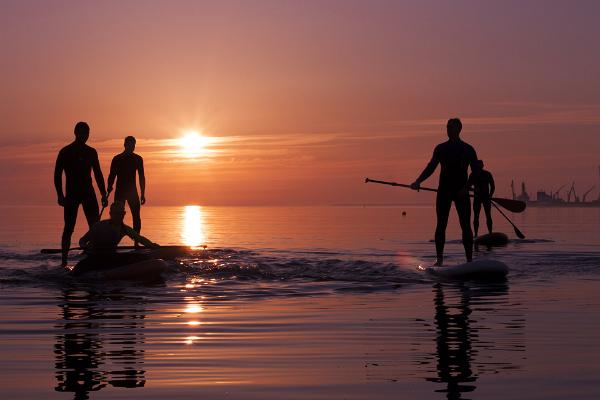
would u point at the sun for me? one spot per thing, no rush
(192, 144)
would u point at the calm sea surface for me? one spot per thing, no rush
(305, 303)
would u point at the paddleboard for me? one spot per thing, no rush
(144, 271)
(491, 239)
(478, 269)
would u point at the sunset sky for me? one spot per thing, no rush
(299, 101)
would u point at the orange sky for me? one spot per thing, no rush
(303, 100)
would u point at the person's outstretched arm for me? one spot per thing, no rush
(58, 171)
(138, 238)
(99, 178)
(142, 178)
(429, 169)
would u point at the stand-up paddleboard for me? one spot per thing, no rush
(478, 269)
(144, 271)
(491, 239)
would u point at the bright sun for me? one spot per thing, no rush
(192, 144)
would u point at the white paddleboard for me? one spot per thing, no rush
(478, 269)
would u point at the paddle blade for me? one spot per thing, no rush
(515, 206)
(519, 233)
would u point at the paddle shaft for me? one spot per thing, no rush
(515, 206)
(519, 234)
(57, 251)
(103, 206)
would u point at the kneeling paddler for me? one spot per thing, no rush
(101, 241)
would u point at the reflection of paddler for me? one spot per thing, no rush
(454, 350)
(101, 243)
(83, 355)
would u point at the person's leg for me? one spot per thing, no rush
(487, 207)
(70, 216)
(442, 210)
(90, 208)
(476, 211)
(134, 206)
(463, 208)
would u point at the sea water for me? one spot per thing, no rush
(305, 303)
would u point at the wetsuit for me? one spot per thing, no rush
(101, 242)
(123, 167)
(455, 156)
(483, 183)
(77, 160)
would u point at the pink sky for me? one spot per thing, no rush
(303, 99)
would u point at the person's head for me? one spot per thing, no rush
(117, 211)
(82, 132)
(129, 144)
(453, 127)
(479, 164)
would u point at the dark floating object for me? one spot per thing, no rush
(491, 239)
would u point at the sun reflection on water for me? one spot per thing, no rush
(192, 232)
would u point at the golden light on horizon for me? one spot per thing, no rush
(193, 231)
(193, 144)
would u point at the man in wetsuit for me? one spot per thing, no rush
(123, 168)
(455, 156)
(77, 160)
(482, 182)
(101, 241)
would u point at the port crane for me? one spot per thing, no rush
(586, 193)
(572, 190)
(555, 195)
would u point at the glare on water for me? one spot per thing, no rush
(192, 232)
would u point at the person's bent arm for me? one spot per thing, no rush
(142, 178)
(58, 171)
(429, 169)
(138, 238)
(492, 185)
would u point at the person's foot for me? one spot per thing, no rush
(63, 263)
(439, 262)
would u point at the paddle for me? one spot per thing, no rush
(172, 247)
(515, 206)
(103, 207)
(517, 231)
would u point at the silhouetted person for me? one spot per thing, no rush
(101, 241)
(483, 184)
(77, 160)
(455, 156)
(123, 167)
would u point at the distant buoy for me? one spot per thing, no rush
(403, 213)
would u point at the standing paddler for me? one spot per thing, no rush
(483, 185)
(124, 167)
(455, 157)
(77, 160)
